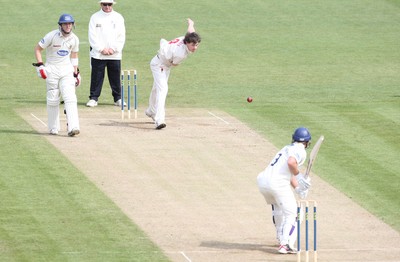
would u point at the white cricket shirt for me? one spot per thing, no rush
(173, 52)
(59, 47)
(278, 170)
(106, 30)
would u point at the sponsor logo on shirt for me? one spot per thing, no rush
(62, 52)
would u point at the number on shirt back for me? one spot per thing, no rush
(176, 40)
(276, 159)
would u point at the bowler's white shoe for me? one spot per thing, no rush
(161, 126)
(91, 103)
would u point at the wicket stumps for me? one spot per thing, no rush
(305, 204)
(127, 73)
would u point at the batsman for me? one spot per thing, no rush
(61, 74)
(276, 184)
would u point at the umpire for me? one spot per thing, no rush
(107, 39)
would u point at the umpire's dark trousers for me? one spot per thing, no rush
(97, 77)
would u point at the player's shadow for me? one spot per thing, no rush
(239, 246)
(137, 125)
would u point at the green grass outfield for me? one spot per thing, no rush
(332, 66)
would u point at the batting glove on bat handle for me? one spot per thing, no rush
(304, 183)
(78, 79)
(302, 193)
(40, 69)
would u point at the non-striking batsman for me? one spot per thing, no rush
(300, 205)
(127, 73)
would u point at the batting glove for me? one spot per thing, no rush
(304, 183)
(78, 79)
(302, 193)
(40, 69)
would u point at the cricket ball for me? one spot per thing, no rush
(249, 99)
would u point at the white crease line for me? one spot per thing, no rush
(218, 118)
(379, 249)
(187, 258)
(37, 118)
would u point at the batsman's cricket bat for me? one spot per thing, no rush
(313, 155)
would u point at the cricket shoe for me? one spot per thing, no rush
(74, 132)
(91, 103)
(286, 249)
(54, 132)
(119, 103)
(161, 126)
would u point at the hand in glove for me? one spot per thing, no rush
(40, 69)
(302, 193)
(78, 79)
(304, 183)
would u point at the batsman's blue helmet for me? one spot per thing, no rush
(301, 134)
(66, 18)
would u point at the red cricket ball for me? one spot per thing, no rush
(249, 99)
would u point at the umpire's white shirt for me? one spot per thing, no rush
(106, 30)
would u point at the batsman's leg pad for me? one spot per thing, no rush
(71, 109)
(293, 236)
(53, 113)
(288, 229)
(278, 218)
(67, 86)
(289, 213)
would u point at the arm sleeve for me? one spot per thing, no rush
(93, 36)
(75, 49)
(299, 155)
(45, 41)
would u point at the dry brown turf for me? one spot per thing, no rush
(192, 187)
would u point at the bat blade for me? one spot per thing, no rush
(313, 155)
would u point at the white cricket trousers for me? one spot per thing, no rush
(285, 206)
(60, 81)
(159, 91)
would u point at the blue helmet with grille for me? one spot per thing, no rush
(301, 134)
(66, 18)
